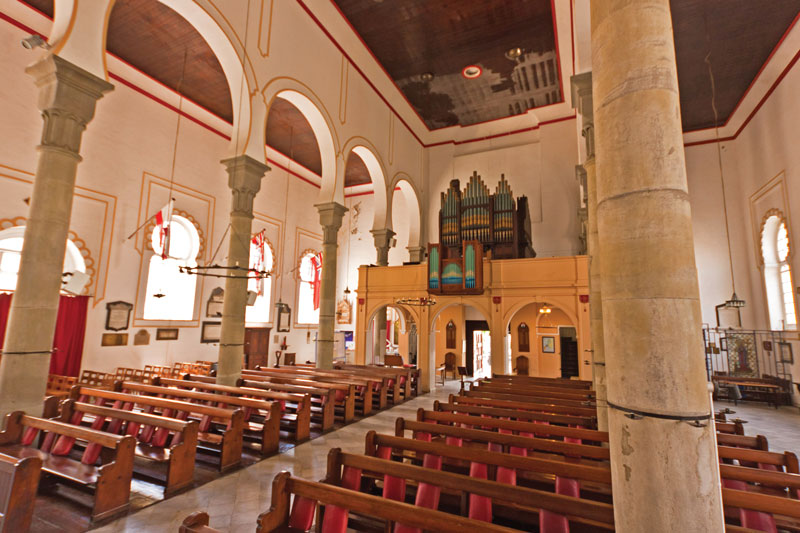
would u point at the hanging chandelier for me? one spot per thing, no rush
(229, 272)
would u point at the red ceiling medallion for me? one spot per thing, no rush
(584, 298)
(361, 301)
(497, 299)
(471, 72)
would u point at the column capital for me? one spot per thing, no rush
(67, 98)
(416, 254)
(383, 242)
(581, 85)
(244, 179)
(330, 218)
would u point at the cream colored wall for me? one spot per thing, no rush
(541, 364)
(456, 314)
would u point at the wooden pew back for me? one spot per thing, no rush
(19, 479)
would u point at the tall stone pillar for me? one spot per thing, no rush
(244, 179)
(582, 101)
(67, 100)
(665, 472)
(383, 243)
(330, 218)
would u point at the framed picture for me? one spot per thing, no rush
(117, 315)
(767, 346)
(548, 345)
(210, 332)
(786, 352)
(284, 318)
(114, 339)
(167, 334)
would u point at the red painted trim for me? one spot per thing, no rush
(506, 134)
(763, 100)
(293, 173)
(20, 25)
(573, 44)
(358, 194)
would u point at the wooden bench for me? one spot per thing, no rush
(196, 523)
(309, 495)
(784, 462)
(401, 377)
(534, 444)
(769, 389)
(227, 443)
(323, 398)
(177, 453)
(549, 392)
(262, 436)
(110, 483)
(59, 385)
(524, 406)
(759, 442)
(129, 374)
(518, 505)
(532, 380)
(92, 378)
(297, 423)
(19, 479)
(731, 428)
(510, 395)
(589, 422)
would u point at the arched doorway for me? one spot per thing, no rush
(547, 336)
(462, 332)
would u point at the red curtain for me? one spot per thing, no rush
(70, 332)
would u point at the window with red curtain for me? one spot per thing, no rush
(69, 335)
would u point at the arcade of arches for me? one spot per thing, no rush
(572, 190)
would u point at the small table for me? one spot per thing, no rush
(441, 372)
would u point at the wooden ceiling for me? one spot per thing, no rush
(415, 37)
(412, 37)
(739, 34)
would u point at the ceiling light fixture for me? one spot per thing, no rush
(427, 77)
(471, 72)
(514, 53)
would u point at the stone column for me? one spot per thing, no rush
(67, 99)
(383, 243)
(582, 101)
(415, 254)
(330, 218)
(244, 179)
(665, 470)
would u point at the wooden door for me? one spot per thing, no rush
(256, 347)
(569, 357)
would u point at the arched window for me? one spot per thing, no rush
(523, 337)
(778, 274)
(450, 336)
(260, 310)
(11, 248)
(310, 275)
(170, 293)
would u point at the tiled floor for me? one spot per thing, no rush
(234, 501)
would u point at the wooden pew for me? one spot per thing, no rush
(92, 378)
(547, 430)
(59, 385)
(280, 515)
(401, 376)
(523, 406)
(196, 522)
(110, 483)
(531, 380)
(509, 395)
(129, 374)
(322, 404)
(535, 444)
(344, 393)
(759, 442)
(589, 422)
(178, 456)
(731, 428)
(520, 504)
(785, 462)
(548, 392)
(19, 479)
(228, 444)
(263, 437)
(297, 423)
(364, 387)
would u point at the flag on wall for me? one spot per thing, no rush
(163, 219)
(259, 261)
(316, 264)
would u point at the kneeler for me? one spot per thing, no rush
(749, 518)
(550, 522)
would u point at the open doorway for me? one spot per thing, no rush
(479, 348)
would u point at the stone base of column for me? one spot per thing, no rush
(416, 254)
(23, 373)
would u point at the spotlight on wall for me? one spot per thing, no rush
(34, 41)
(427, 77)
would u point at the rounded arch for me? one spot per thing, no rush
(770, 224)
(552, 301)
(79, 36)
(312, 108)
(377, 173)
(402, 183)
(478, 306)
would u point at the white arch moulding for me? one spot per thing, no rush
(403, 183)
(312, 108)
(377, 173)
(79, 36)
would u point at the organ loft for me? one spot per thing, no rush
(355, 265)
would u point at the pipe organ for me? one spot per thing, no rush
(473, 223)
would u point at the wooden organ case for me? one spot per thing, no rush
(472, 224)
